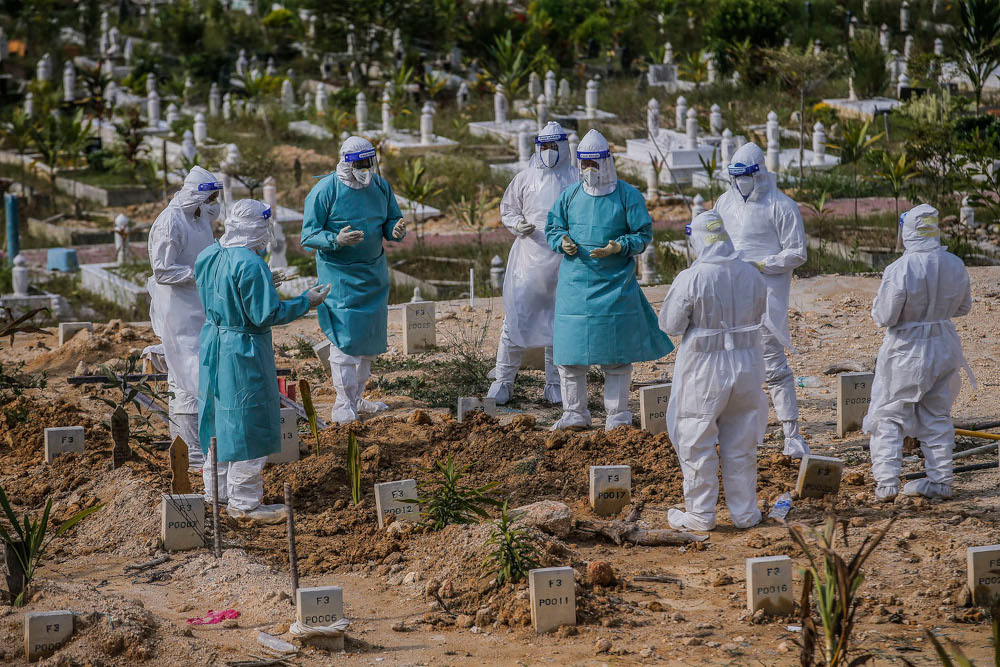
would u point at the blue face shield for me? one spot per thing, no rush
(209, 187)
(742, 176)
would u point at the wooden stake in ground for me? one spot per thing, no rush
(119, 434)
(179, 481)
(293, 558)
(216, 530)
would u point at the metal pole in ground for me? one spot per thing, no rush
(215, 499)
(293, 559)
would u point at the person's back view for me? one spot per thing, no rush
(917, 376)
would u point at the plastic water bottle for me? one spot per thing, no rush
(807, 381)
(781, 506)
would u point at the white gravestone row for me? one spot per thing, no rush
(419, 332)
(552, 592)
(653, 402)
(289, 438)
(819, 476)
(469, 404)
(610, 489)
(46, 632)
(391, 497)
(63, 439)
(854, 395)
(182, 521)
(769, 585)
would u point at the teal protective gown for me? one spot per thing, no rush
(354, 315)
(602, 316)
(237, 384)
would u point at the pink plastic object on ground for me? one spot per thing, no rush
(214, 617)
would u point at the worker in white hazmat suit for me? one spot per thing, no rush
(178, 234)
(717, 305)
(917, 373)
(529, 286)
(766, 226)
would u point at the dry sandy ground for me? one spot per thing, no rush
(915, 581)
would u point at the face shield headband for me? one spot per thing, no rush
(361, 159)
(209, 187)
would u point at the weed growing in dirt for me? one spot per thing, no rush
(446, 500)
(354, 467)
(513, 550)
(835, 590)
(13, 380)
(26, 545)
(953, 656)
(137, 393)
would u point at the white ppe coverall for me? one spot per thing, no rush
(717, 305)
(917, 374)
(177, 236)
(766, 226)
(529, 286)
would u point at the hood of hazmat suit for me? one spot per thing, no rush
(917, 373)
(238, 395)
(602, 179)
(602, 316)
(355, 313)
(357, 163)
(766, 226)
(717, 306)
(178, 234)
(529, 288)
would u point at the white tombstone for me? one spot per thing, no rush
(715, 119)
(69, 329)
(129, 50)
(123, 227)
(534, 86)
(680, 114)
(574, 141)
(241, 63)
(713, 72)
(773, 156)
(610, 489)
(497, 272)
(272, 69)
(552, 593)
(819, 143)
(321, 606)
(817, 47)
(726, 147)
(321, 99)
(417, 296)
(69, 82)
(462, 97)
(668, 54)
(351, 40)
(653, 118)
(769, 585)
(386, 113)
(883, 38)
(652, 194)
(289, 438)
(904, 17)
(500, 105)
(653, 401)
(591, 99)
(550, 88)
(895, 65)
(418, 327)
(46, 632)
(200, 128)
(852, 27)
(361, 112)
(214, 100)
(908, 48)
(150, 83)
(62, 440)
(523, 147)
(20, 276)
(29, 104)
(697, 206)
(390, 499)
(182, 521)
(854, 395)
(736, 78)
(966, 214)
(427, 124)
(278, 246)
(939, 47)
(173, 115)
(227, 107)
(904, 82)
(851, 95)
(983, 572)
(470, 404)
(287, 96)
(819, 476)
(691, 136)
(43, 70)
(564, 91)
(541, 113)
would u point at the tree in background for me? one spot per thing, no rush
(762, 22)
(869, 66)
(977, 42)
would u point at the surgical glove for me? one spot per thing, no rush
(277, 277)
(317, 294)
(613, 248)
(348, 236)
(524, 227)
(759, 265)
(568, 246)
(399, 231)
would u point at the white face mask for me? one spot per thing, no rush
(591, 176)
(549, 157)
(210, 213)
(745, 185)
(363, 176)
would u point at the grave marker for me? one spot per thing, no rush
(179, 462)
(854, 395)
(69, 329)
(321, 606)
(469, 404)
(552, 591)
(610, 489)
(653, 402)
(983, 565)
(63, 439)
(46, 632)
(289, 438)
(182, 524)
(419, 332)
(769, 585)
(819, 476)
(389, 497)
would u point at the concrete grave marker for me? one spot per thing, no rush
(389, 497)
(322, 351)
(182, 524)
(854, 395)
(469, 404)
(419, 332)
(769, 585)
(983, 571)
(69, 329)
(289, 438)
(610, 489)
(653, 402)
(61, 440)
(552, 591)
(320, 607)
(819, 476)
(46, 632)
